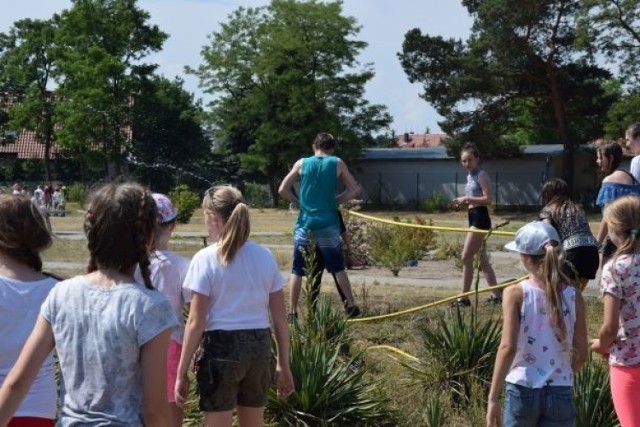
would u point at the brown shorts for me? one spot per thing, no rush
(235, 368)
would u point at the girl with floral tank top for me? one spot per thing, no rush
(619, 336)
(544, 338)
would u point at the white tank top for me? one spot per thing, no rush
(541, 359)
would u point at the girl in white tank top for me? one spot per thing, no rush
(544, 340)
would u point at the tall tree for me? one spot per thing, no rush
(103, 44)
(281, 74)
(27, 63)
(168, 140)
(612, 28)
(519, 76)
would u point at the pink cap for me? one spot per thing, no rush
(166, 209)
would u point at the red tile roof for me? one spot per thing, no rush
(26, 146)
(418, 140)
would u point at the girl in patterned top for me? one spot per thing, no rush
(544, 338)
(568, 218)
(619, 336)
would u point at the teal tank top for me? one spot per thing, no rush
(318, 185)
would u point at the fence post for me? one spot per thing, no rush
(497, 192)
(380, 188)
(455, 184)
(417, 190)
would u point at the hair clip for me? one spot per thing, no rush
(634, 232)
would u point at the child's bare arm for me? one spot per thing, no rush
(155, 410)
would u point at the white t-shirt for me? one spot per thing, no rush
(168, 271)
(635, 168)
(19, 308)
(239, 292)
(99, 333)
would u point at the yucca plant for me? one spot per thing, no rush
(330, 391)
(594, 406)
(460, 353)
(324, 323)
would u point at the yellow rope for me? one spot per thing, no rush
(431, 227)
(394, 350)
(435, 303)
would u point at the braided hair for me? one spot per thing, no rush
(23, 230)
(120, 225)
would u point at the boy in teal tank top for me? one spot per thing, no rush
(318, 218)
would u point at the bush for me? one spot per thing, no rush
(392, 246)
(257, 195)
(592, 396)
(79, 194)
(186, 201)
(460, 354)
(436, 202)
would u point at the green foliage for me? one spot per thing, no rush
(166, 122)
(101, 46)
(257, 195)
(522, 71)
(281, 74)
(79, 194)
(330, 389)
(185, 201)
(462, 350)
(594, 406)
(436, 202)
(393, 246)
(435, 411)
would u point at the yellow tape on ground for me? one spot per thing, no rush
(394, 350)
(432, 227)
(436, 303)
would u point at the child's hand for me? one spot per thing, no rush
(597, 348)
(182, 390)
(493, 414)
(284, 382)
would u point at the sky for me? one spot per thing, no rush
(384, 24)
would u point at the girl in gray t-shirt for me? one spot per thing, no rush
(110, 333)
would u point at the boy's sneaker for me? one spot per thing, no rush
(352, 311)
(494, 299)
(461, 302)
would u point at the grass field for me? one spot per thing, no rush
(273, 227)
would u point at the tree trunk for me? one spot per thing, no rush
(561, 129)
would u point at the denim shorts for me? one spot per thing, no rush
(327, 242)
(234, 368)
(544, 407)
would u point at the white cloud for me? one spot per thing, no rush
(384, 23)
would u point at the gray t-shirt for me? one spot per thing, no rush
(98, 333)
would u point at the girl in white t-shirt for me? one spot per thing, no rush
(544, 338)
(23, 288)
(110, 333)
(235, 284)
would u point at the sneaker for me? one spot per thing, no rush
(461, 302)
(353, 311)
(292, 317)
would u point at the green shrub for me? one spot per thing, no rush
(448, 249)
(79, 194)
(592, 396)
(436, 202)
(329, 391)
(186, 201)
(392, 246)
(257, 195)
(460, 354)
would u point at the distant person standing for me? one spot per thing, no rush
(318, 220)
(477, 198)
